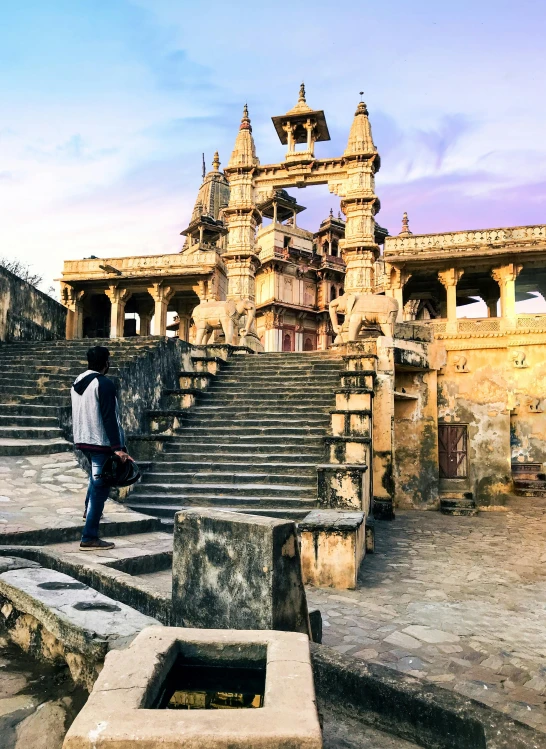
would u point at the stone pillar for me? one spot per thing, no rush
(161, 295)
(506, 276)
(73, 301)
(118, 298)
(492, 303)
(323, 333)
(449, 280)
(273, 331)
(145, 313)
(383, 431)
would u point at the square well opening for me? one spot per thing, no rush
(223, 678)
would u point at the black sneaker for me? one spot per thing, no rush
(96, 544)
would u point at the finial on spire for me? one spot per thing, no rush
(361, 95)
(245, 122)
(405, 224)
(216, 162)
(331, 213)
(339, 216)
(301, 96)
(204, 169)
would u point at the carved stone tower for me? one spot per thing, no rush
(241, 215)
(360, 204)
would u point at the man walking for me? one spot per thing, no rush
(98, 434)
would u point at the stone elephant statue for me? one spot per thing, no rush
(209, 316)
(363, 309)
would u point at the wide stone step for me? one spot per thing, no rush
(227, 411)
(244, 398)
(241, 421)
(235, 431)
(243, 440)
(264, 456)
(258, 465)
(222, 477)
(33, 446)
(27, 409)
(18, 420)
(30, 433)
(221, 489)
(158, 506)
(249, 451)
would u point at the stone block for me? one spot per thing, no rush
(84, 620)
(356, 400)
(124, 708)
(237, 571)
(342, 486)
(332, 548)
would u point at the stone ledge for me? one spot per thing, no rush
(411, 708)
(332, 520)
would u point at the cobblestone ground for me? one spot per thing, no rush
(45, 491)
(457, 601)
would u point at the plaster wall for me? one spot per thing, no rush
(416, 440)
(473, 389)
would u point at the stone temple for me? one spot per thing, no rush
(330, 452)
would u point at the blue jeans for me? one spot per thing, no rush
(97, 494)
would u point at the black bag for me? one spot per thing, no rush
(115, 472)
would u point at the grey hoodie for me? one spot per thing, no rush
(95, 413)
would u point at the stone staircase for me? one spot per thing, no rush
(252, 441)
(35, 379)
(528, 480)
(458, 503)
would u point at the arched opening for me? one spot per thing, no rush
(308, 344)
(287, 342)
(335, 249)
(332, 293)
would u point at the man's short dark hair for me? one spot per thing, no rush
(97, 357)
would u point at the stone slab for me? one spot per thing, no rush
(237, 571)
(83, 619)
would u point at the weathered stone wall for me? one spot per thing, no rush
(141, 383)
(27, 314)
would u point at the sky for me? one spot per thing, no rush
(107, 105)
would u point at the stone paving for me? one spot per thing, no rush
(453, 600)
(456, 601)
(46, 491)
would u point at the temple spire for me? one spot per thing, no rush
(216, 162)
(360, 138)
(244, 151)
(405, 225)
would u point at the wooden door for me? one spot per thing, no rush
(453, 450)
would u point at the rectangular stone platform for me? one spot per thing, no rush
(332, 548)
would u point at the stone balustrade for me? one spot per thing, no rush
(487, 326)
(524, 237)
